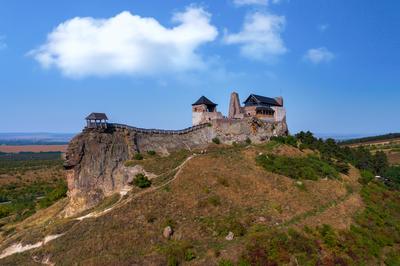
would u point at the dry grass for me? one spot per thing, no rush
(220, 191)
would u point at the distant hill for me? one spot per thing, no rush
(389, 136)
(35, 138)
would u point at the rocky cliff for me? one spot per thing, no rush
(95, 158)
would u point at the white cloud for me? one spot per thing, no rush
(3, 44)
(319, 55)
(260, 37)
(127, 44)
(250, 2)
(323, 27)
(255, 2)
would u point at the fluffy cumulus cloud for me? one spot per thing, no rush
(319, 55)
(255, 2)
(127, 44)
(260, 36)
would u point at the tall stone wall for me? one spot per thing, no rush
(95, 158)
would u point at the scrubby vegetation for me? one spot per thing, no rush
(338, 156)
(141, 181)
(309, 167)
(375, 230)
(30, 181)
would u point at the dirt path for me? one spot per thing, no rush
(18, 247)
(122, 202)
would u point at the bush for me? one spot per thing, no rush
(151, 153)
(5, 210)
(216, 140)
(189, 255)
(248, 141)
(289, 140)
(310, 167)
(366, 177)
(177, 251)
(138, 156)
(142, 181)
(393, 174)
(57, 193)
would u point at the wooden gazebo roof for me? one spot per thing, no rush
(97, 116)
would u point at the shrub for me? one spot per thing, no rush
(189, 255)
(310, 167)
(177, 251)
(5, 210)
(216, 140)
(57, 193)
(151, 153)
(142, 181)
(138, 156)
(366, 177)
(393, 174)
(248, 141)
(289, 140)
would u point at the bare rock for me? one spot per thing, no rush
(168, 232)
(230, 236)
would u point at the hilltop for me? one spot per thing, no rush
(280, 202)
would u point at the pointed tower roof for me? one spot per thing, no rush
(204, 100)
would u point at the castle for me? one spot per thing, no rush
(261, 107)
(95, 158)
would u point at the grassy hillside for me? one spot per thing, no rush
(293, 200)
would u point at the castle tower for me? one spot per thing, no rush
(235, 109)
(204, 110)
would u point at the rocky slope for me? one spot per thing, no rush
(214, 205)
(95, 158)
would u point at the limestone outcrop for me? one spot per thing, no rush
(95, 158)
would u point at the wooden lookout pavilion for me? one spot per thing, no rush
(96, 120)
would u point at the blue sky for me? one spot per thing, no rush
(336, 63)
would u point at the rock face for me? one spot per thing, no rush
(95, 158)
(167, 232)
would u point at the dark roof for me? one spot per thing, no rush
(204, 100)
(263, 100)
(97, 116)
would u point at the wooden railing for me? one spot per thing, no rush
(158, 131)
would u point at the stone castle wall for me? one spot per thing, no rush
(95, 158)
